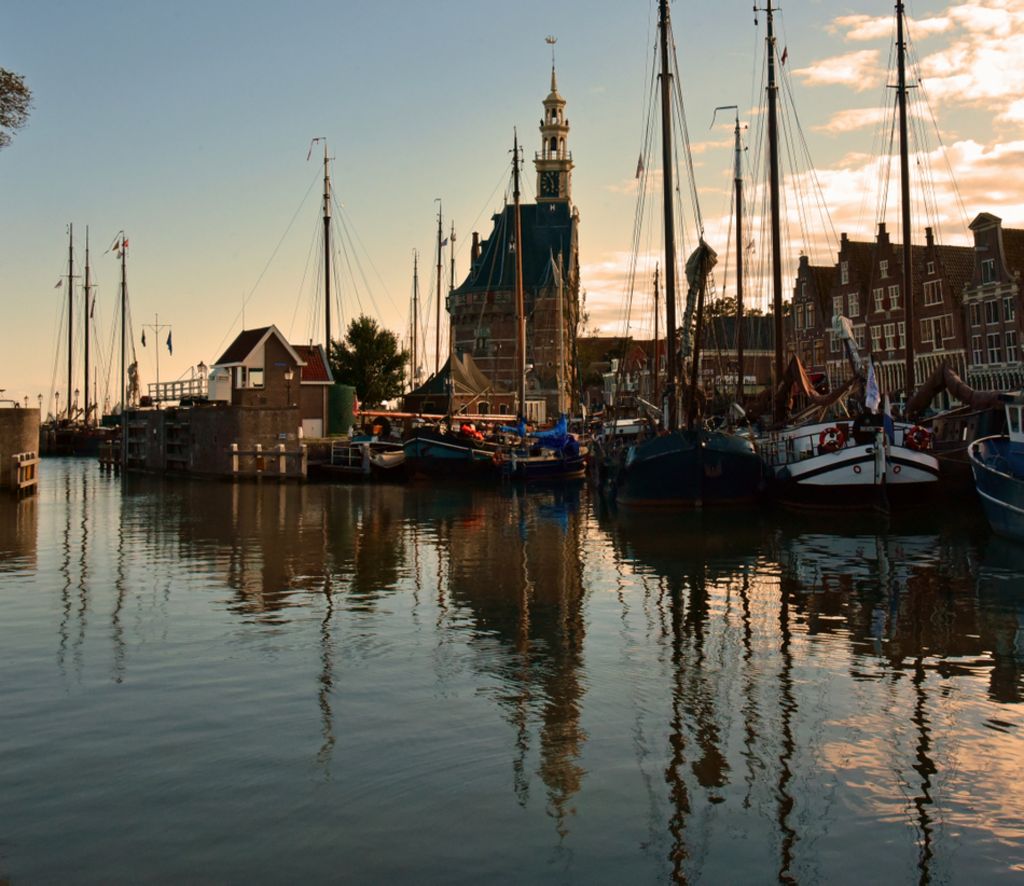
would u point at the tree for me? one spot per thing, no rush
(15, 101)
(369, 359)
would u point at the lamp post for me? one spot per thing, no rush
(288, 376)
(56, 405)
(39, 397)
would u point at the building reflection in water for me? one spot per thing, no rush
(516, 571)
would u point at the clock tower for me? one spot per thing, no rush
(554, 160)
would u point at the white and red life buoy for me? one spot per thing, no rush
(918, 438)
(831, 439)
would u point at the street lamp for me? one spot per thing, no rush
(288, 376)
(39, 397)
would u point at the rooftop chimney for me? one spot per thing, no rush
(929, 237)
(474, 253)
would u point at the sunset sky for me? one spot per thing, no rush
(188, 125)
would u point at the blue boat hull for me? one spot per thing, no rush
(434, 454)
(1000, 488)
(691, 469)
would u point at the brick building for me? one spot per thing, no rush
(992, 312)
(482, 308)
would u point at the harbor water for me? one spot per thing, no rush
(209, 682)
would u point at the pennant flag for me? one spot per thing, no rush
(170, 350)
(143, 338)
(785, 54)
(871, 394)
(639, 166)
(59, 283)
(444, 242)
(92, 308)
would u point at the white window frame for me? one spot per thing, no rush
(994, 347)
(883, 268)
(894, 297)
(933, 292)
(844, 272)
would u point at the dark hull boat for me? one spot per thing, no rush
(691, 469)
(998, 467)
(550, 466)
(432, 453)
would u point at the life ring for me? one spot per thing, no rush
(831, 439)
(918, 438)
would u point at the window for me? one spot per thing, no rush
(988, 270)
(803, 288)
(819, 353)
(931, 268)
(810, 315)
(976, 314)
(799, 316)
(901, 334)
(994, 348)
(854, 304)
(894, 297)
(1013, 413)
(1009, 308)
(833, 343)
(937, 334)
(883, 268)
(1011, 346)
(890, 331)
(933, 292)
(947, 325)
(859, 336)
(837, 305)
(844, 272)
(992, 311)
(876, 338)
(977, 355)
(256, 378)
(879, 295)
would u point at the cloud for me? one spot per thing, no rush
(859, 70)
(853, 119)
(862, 28)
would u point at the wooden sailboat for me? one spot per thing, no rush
(685, 466)
(872, 461)
(998, 466)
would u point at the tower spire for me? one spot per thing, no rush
(554, 160)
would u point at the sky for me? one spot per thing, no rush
(187, 125)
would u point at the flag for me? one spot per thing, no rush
(59, 283)
(170, 350)
(444, 242)
(639, 166)
(871, 395)
(92, 308)
(143, 338)
(785, 54)
(887, 422)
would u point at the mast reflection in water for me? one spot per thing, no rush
(220, 682)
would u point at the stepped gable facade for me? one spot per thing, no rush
(992, 311)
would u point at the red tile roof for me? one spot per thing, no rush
(316, 369)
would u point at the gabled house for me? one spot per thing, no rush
(260, 368)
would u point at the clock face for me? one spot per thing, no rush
(549, 184)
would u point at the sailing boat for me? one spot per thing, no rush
(873, 461)
(685, 467)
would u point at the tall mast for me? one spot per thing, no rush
(520, 303)
(327, 255)
(415, 315)
(908, 279)
(451, 289)
(88, 299)
(71, 305)
(437, 307)
(773, 162)
(657, 362)
(123, 249)
(739, 263)
(670, 230)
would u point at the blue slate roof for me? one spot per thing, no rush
(548, 229)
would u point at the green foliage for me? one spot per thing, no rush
(370, 360)
(15, 101)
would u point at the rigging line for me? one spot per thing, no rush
(317, 232)
(343, 220)
(685, 131)
(347, 233)
(316, 177)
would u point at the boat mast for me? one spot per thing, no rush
(739, 263)
(520, 302)
(85, 386)
(415, 316)
(123, 249)
(908, 292)
(71, 305)
(327, 255)
(773, 163)
(670, 232)
(437, 325)
(657, 362)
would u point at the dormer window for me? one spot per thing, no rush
(988, 270)
(883, 268)
(844, 272)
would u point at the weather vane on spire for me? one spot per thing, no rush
(551, 41)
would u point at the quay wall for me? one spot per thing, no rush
(19, 432)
